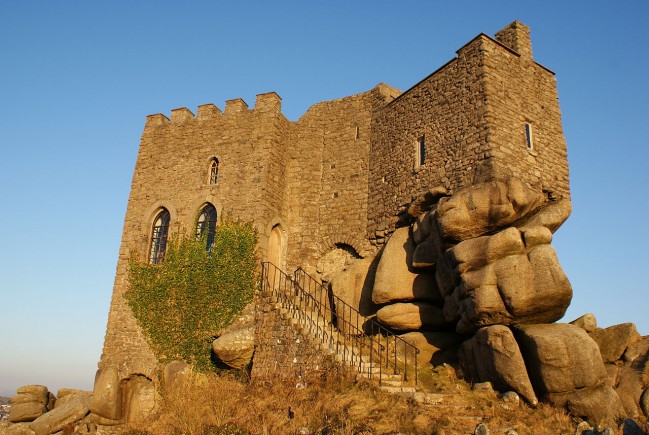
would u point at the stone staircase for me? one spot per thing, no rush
(366, 346)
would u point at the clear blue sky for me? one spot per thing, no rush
(77, 79)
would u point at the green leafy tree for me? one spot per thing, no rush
(181, 302)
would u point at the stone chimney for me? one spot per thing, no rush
(517, 37)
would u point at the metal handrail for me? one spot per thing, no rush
(361, 343)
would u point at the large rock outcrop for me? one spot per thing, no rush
(510, 277)
(492, 355)
(396, 281)
(486, 207)
(29, 403)
(565, 366)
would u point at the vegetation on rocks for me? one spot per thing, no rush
(183, 302)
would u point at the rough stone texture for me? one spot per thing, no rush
(492, 355)
(501, 280)
(411, 316)
(354, 288)
(64, 395)
(644, 402)
(614, 340)
(140, 399)
(29, 403)
(395, 279)
(176, 376)
(28, 411)
(631, 373)
(73, 410)
(629, 388)
(425, 202)
(429, 343)
(482, 208)
(560, 357)
(340, 176)
(600, 405)
(235, 348)
(463, 145)
(18, 429)
(281, 352)
(552, 215)
(106, 399)
(587, 322)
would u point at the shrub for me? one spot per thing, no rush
(182, 302)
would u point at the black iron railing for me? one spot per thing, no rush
(358, 342)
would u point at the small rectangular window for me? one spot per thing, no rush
(420, 152)
(529, 135)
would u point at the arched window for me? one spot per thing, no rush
(214, 170)
(206, 225)
(159, 237)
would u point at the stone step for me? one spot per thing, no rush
(397, 390)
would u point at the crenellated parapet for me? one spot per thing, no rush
(267, 103)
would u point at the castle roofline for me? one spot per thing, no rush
(479, 36)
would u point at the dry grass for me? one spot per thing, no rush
(217, 405)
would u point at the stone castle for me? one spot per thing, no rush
(338, 180)
(427, 213)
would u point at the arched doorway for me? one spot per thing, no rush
(276, 247)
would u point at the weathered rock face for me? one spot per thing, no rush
(428, 343)
(106, 399)
(587, 322)
(492, 355)
(631, 370)
(600, 405)
(560, 357)
(485, 207)
(395, 279)
(412, 316)
(614, 340)
(29, 403)
(64, 395)
(176, 375)
(74, 409)
(235, 348)
(354, 287)
(509, 277)
(140, 398)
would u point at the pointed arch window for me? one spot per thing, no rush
(214, 170)
(159, 235)
(206, 225)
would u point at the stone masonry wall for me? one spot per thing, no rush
(282, 353)
(472, 114)
(520, 91)
(447, 108)
(328, 191)
(172, 171)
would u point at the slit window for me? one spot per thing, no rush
(420, 152)
(159, 234)
(529, 136)
(206, 225)
(214, 170)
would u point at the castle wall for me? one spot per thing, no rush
(172, 171)
(328, 190)
(447, 109)
(520, 92)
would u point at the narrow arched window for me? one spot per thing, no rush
(206, 225)
(159, 234)
(214, 170)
